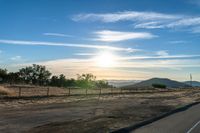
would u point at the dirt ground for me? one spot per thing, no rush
(77, 114)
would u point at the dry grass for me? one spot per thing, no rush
(90, 113)
(5, 91)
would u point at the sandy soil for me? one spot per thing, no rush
(88, 114)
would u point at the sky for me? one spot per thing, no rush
(113, 39)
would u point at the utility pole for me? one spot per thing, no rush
(191, 80)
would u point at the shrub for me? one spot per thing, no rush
(159, 86)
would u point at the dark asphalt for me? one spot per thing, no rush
(187, 121)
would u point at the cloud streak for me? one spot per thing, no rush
(39, 43)
(16, 58)
(178, 42)
(159, 57)
(57, 35)
(115, 36)
(85, 54)
(124, 16)
(145, 20)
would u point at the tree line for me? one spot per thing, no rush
(39, 75)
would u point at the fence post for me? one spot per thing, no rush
(99, 92)
(120, 92)
(112, 92)
(47, 91)
(20, 89)
(86, 91)
(69, 91)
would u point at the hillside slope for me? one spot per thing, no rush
(194, 83)
(168, 82)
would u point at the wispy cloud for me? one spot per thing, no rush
(162, 53)
(150, 25)
(178, 42)
(195, 30)
(147, 20)
(159, 57)
(91, 46)
(16, 58)
(124, 16)
(57, 34)
(85, 54)
(193, 21)
(186, 22)
(115, 36)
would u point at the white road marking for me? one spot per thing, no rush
(189, 131)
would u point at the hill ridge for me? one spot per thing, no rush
(165, 81)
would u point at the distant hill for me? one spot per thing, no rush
(120, 83)
(148, 83)
(194, 83)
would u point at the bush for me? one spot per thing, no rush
(159, 86)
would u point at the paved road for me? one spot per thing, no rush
(187, 121)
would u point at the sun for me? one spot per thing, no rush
(105, 59)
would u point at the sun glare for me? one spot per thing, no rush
(105, 59)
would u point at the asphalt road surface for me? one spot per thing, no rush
(187, 121)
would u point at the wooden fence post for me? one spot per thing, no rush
(86, 91)
(69, 91)
(112, 92)
(20, 91)
(47, 91)
(120, 92)
(99, 92)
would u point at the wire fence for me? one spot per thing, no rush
(28, 91)
(34, 91)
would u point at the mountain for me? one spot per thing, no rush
(194, 83)
(148, 83)
(120, 83)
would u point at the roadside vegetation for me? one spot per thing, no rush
(4, 92)
(160, 86)
(39, 75)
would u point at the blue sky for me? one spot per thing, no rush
(113, 39)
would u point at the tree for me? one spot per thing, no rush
(35, 74)
(26, 74)
(86, 77)
(62, 80)
(39, 75)
(54, 81)
(71, 83)
(13, 77)
(86, 80)
(103, 84)
(3, 75)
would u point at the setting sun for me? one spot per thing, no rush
(105, 59)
